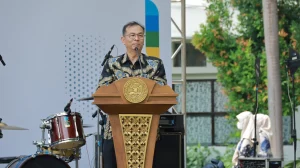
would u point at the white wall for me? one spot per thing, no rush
(53, 51)
(195, 15)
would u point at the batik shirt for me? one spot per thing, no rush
(121, 67)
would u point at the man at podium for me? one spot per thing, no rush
(132, 63)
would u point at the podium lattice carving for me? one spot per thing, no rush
(135, 130)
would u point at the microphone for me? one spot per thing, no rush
(94, 114)
(137, 53)
(67, 108)
(3, 63)
(293, 62)
(107, 55)
(89, 135)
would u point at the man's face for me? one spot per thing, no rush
(133, 37)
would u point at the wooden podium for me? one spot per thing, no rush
(134, 106)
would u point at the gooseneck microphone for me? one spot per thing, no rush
(1, 59)
(107, 55)
(139, 57)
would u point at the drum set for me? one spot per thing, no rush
(66, 136)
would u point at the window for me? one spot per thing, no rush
(194, 58)
(206, 115)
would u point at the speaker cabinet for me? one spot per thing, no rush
(259, 163)
(169, 151)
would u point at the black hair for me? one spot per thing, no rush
(129, 24)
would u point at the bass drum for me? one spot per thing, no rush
(38, 161)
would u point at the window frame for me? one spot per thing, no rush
(174, 48)
(213, 113)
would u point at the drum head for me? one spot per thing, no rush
(44, 161)
(62, 114)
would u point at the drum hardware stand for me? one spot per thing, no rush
(44, 125)
(76, 158)
(76, 162)
(99, 136)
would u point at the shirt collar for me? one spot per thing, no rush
(126, 58)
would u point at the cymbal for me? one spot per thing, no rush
(86, 126)
(85, 99)
(4, 126)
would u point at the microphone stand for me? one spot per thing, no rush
(102, 123)
(139, 57)
(257, 69)
(99, 141)
(294, 132)
(3, 63)
(293, 65)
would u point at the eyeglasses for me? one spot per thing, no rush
(133, 36)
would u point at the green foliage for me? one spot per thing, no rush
(198, 156)
(232, 48)
(227, 157)
(291, 164)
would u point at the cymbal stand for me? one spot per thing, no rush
(1, 135)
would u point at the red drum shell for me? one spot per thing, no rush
(66, 131)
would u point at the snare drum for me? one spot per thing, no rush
(66, 155)
(66, 131)
(38, 161)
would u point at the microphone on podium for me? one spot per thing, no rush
(139, 57)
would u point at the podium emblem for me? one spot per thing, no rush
(135, 90)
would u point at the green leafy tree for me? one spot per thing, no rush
(232, 37)
(233, 44)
